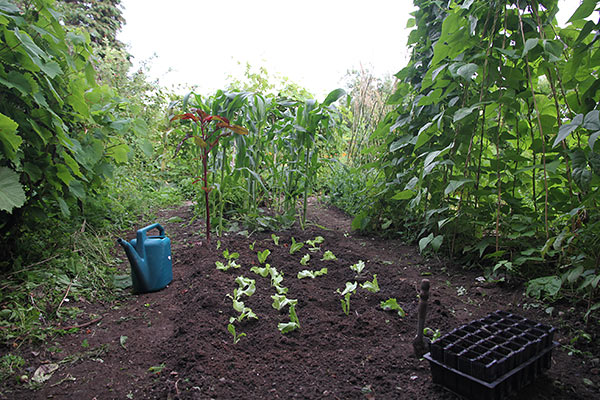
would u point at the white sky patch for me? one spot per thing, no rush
(312, 42)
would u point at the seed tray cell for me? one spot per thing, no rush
(492, 357)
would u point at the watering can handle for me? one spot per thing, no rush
(141, 236)
(161, 230)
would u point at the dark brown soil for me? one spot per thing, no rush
(177, 344)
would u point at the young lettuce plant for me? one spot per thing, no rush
(285, 327)
(313, 243)
(311, 274)
(262, 255)
(305, 259)
(295, 246)
(231, 257)
(206, 132)
(276, 279)
(262, 271)
(346, 293)
(236, 336)
(275, 239)
(328, 256)
(391, 304)
(280, 301)
(372, 286)
(358, 267)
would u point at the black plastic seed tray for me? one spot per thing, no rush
(491, 357)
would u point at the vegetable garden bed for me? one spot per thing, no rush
(176, 343)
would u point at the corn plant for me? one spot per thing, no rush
(207, 130)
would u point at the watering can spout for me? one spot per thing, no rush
(138, 264)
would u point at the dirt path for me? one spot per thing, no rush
(175, 343)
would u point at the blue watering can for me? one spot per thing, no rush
(150, 259)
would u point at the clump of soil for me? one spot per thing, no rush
(174, 343)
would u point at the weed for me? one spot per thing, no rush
(156, 369)
(9, 365)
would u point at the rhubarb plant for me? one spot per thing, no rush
(371, 286)
(295, 246)
(391, 304)
(349, 290)
(311, 274)
(285, 327)
(328, 256)
(262, 255)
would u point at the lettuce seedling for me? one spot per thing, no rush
(236, 337)
(295, 246)
(280, 301)
(358, 267)
(231, 257)
(276, 279)
(275, 239)
(251, 246)
(304, 260)
(294, 323)
(328, 256)
(262, 271)
(247, 287)
(347, 292)
(311, 274)
(262, 255)
(372, 286)
(391, 304)
(313, 243)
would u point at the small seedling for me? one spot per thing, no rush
(372, 286)
(391, 304)
(313, 243)
(275, 239)
(262, 271)
(312, 274)
(432, 334)
(280, 301)
(122, 341)
(295, 246)
(328, 256)
(262, 255)
(358, 267)
(292, 325)
(231, 257)
(236, 336)
(276, 279)
(85, 344)
(251, 246)
(218, 244)
(346, 293)
(156, 369)
(304, 260)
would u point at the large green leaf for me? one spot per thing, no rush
(9, 138)
(333, 96)
(11, 191)
(586, 8)
(566, 129)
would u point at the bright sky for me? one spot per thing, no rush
(312, 42)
